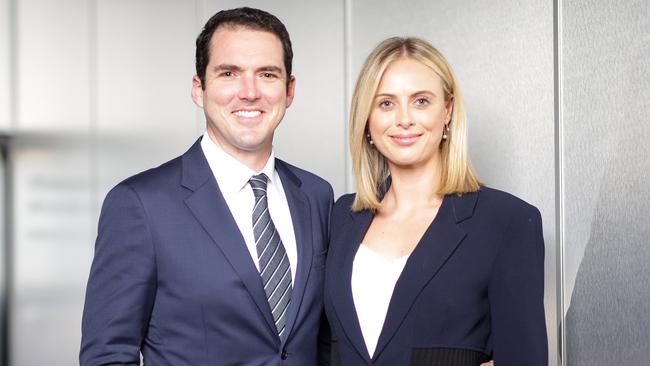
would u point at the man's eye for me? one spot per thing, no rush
(226, 74)
(268, 75)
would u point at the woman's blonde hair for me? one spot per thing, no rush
(370, 167)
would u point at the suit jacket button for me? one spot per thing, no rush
(284, 354)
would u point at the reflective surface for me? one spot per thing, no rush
(606, 122)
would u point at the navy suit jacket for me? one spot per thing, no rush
(471, 290)
(172, 276)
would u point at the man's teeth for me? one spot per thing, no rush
(248, 114)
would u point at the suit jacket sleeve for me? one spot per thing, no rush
(121, 286)
(516, 293)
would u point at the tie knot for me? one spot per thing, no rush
(258, 183)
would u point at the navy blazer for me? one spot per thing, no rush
(172, 276)
(471, 290)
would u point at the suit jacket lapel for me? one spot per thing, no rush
(210, 209)
(340, 271)
(302, 226)
(437, 244)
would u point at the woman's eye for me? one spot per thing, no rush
(385, 104)
(422, 101)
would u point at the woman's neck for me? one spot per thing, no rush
(413, 189)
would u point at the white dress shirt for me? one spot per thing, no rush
(232, 177)
(373, 281)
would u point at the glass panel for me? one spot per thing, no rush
(53, 232)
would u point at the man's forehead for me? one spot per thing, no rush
(246, 48)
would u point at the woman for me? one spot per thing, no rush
(426, 266)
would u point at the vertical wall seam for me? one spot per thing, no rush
(347, 93)
(559, 177)
(13, 65)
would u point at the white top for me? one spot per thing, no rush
(373, 282)
(232, 177)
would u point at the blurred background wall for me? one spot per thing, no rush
(557, 94)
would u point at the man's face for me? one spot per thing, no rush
(245, 94)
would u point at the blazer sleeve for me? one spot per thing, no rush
(121, 285)
(516, 294)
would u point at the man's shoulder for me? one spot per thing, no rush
(169, 171)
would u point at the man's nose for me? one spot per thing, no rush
(248, 89)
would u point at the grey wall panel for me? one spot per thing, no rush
(53, 65)
(606, 181)
(503, 56)
(5, 85)
(312, 134)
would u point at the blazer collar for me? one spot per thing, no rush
(302, 226)
(438, 243)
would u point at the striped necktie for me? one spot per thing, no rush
(274, 263)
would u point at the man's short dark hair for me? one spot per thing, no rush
(245, 17)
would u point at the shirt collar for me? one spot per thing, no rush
(232, 176)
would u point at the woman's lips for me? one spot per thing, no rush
(405, 140)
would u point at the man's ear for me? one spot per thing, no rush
(291, 89)
(197, 91)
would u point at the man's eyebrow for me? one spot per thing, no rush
(270, 69)
(226, 67)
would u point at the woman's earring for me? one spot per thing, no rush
(445, 132)
(369, 139)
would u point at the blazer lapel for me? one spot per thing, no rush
(211, 211)
(437, 244)
(301, 219)
(340, 271)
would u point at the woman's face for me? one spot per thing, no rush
(409, 114)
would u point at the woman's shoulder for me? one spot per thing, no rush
(497, 200)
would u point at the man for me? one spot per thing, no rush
(216, 257)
